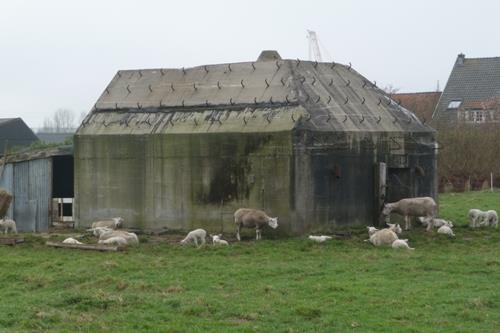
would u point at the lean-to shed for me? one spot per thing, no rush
(35, 179)
(316, 144)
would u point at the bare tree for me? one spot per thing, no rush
(390, 89)
(62, 121)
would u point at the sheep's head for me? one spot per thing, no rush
(449, 224)
(371, 230)
(273, 222)
(387, 209)
(118, 222)
(216, 238)
(395, 227)
(98, 231)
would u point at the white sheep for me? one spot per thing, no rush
(118, 240)
(424, 206)
(112, 223)
(216, 240)
(194, 236)
(320, 239)
(477, 217)
(435, 222)
(401, 244)
(491, 219)
(395, 227)
(104, 233)
(446, 230)
(371, 230)
(253, 218)
(8, 224)
(71, 241)
(383, 237)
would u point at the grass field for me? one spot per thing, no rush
(445, 285)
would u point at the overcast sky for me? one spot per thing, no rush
(62, 54)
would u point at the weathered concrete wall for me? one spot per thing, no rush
(182, 181)
(335, 175)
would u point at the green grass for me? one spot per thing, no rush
(445, 285)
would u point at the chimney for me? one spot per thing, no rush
(460, 59)
(269, 55)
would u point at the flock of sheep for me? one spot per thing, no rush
(424, 209)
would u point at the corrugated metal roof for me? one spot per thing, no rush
(328, 96)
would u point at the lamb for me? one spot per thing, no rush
(423, 206)
(395, 227)
(446, 230)
(118, 240)
(491, 219)
(383, 237)
(113, 223)
(371, 230)
(435, 222)
(477, 217)
(194, 235)
(320, 239)
(253, 218)
(104, 233)
(216, 240)
(71, 241)
(8, 224)
(401, 244)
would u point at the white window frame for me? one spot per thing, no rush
(477, 116)
(454, 104)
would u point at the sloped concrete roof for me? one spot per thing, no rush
(268, 95)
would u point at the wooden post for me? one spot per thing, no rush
(95, 247)
(380, 186)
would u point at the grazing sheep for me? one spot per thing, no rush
(383, 237)
(320, 239)
(477, 217)
(216, 240)
(118, 240)
(446, 230)
(491, 219)
(194, 235)
(371, 230)
(71, 241)
(395, 227)
(8, 224)
(401, 244)
(112, 223)
(424, 206)
(253, 218)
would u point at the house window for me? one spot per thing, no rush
(454, 105)
(477, 116)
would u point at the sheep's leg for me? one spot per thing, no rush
(430, 224)
(202, 241)
(196, 241)
(258, 235)
(238, 228)
(407, 222)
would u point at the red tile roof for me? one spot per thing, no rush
(421, 103)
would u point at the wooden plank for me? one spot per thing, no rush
(94, 247)
(11, 240)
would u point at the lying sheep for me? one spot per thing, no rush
(8, 224)
(446, 230)
(320, 239)
(401, 244)
(104, 233)
(395, 227)
(116, 240)
(476, 217)
(383, 237)
(112, 223)
(253, 218)
(371, 230)
(71, 241)
(216, 240)
(435, 222)
(424, 206)
(194, 236)
(491, 219)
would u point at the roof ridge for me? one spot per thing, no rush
(415, 93)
